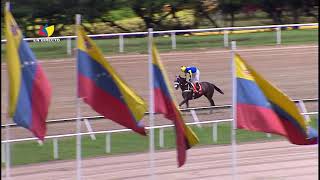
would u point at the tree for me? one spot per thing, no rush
(153, 13)
(61, 13)
(230, 7)
(294, 8)
(204, 9)
(160, 14)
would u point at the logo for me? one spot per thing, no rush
(46, 30)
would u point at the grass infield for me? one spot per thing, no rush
(125, 142)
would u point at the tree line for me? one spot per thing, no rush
(155, 14)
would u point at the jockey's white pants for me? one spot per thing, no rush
(196, 77)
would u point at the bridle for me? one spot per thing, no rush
(178, 83)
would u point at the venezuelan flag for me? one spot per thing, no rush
(165, 104)
(101, 87)
(29, 89)
(263, 107)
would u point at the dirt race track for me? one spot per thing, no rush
(294, 69)
(276, 160)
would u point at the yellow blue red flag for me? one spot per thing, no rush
(29, 89)
(101, 87)
(263, 107)
(165, 104)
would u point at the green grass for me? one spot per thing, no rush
(54, 50)
(126, 142)
(32, 152)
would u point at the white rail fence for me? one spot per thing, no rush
(182, 110)
(161, 133)
(173, 33)
(108, 135)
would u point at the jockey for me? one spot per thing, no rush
(194, 76)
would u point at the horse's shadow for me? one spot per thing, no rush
(188, 93)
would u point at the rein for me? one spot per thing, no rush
(176, 84)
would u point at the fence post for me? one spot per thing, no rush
(215, 132)
(121, 43)
(55, 148)
(225, 38)
(40, 142)
(86, 122)
(108, 142)
(278, 29)
(304, 110)
(69, 51)
(173, 40)
(3, 153)
(195, 117)
(211, 110)
(161, 137)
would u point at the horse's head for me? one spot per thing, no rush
(180, 82)
(177, 82)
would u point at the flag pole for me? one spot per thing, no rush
(7, 145)
(78, 143)
(151, 105)
(234, 112)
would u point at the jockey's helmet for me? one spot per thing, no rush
(183, 68)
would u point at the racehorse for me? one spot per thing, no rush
(188, 94)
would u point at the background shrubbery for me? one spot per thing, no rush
(105, 16)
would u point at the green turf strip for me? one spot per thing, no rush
(125, 142)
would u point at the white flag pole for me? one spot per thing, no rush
(234, 112)
(7, 145)
(151, 104)
(78, 143)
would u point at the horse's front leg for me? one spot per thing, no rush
(185, 100)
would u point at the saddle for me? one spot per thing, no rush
(197, 88)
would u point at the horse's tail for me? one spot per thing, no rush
(218, 89)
